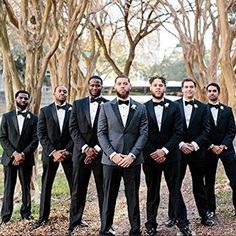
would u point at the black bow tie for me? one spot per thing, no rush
(126, 102)
(188, 103)
(217, 106)
(161, 103)
(98, 100)
(22, 113)
(61, 107)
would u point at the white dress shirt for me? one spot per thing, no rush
(187, 112)
(61, 115)
(124, 112)
(158, 113)
(93, 107)
(214, 112)
(20, 120)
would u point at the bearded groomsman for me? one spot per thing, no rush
(18, 137)
(122, 134)
(87, 151)
(220, 145)
(57, 146)
(161, 154)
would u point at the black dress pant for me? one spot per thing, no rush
(81, 176)
(49, 173)
(229, 163)
(153, 173)
(10, 176)
(112, 177)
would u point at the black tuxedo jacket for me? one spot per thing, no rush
(81, 128)
(11, 140)
(49, 133)
(199, 126)
(224, 131)
(170, 134)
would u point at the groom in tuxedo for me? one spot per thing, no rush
(57, 146)
(87, 151)
(122, 134)
(18, 137)
(220, 145)
(161, 154)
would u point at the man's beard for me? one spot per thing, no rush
(22, 107)
(159, 98)
(123, 96)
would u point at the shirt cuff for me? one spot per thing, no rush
(84, 148)
(52, 152)
(211, 146)
(165, 150)
(112, 155)
(195, 145)
(13, 154)
(97, 148)
(181, 144)
(132, 155)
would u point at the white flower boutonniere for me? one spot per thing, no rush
(221, 108)
(195, 105)
(28, 116)
(166, 105)
(70, 108)
(133, 106)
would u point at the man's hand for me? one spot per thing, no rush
(126, 161)
(59, 155)
(217, 149)
(18, 158)
(91, 154)
(158, 156)
(117, 158)
(187, 148)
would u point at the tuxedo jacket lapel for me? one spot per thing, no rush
(54, 115)
(130, 115)
(150, 109)
(67, 116)
(182, 112)
(165, 113)
(87, 111)
(115, 108)
(25, 124)
(15, 122)
(220, 115)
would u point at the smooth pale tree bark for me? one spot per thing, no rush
(228, 33)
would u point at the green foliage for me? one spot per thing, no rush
(60, 186)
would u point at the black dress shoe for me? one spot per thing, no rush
(3, 222)
(39, 223)
(170, 223)
(186, 231)
(151, 231)
(111, 231)
(83, 223)
(207, 221)
(27, 217)
(211, 214)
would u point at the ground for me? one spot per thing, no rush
(58, 223)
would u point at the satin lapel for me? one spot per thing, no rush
(54, 115)
(165, 112)
(15, 122)
(87, 111)
(115, 108)
(131, 113)
(151, 111)
(194, 112)
(219, 116)
(25, 124)
(182, 112)
(67, 116)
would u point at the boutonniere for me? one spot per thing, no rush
(28, 116)
(195, 105)
(221, 108)
(133, 106)
(166, 105)
(70, 108)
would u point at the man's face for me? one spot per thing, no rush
(122, 87)
(212, 93)
(95, 87)
(188, 90)
(22, 101)
(157, 89)
(61, 94)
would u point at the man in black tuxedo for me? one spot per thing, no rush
(196, 128)
(122, 134)
(161, 154)
(220, 145)
(57, 146)
(18, 137)
(87, 151)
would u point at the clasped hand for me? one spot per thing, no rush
(122, 160)
(158, 156)
(60, 155)
(91, 154)
(18, 158)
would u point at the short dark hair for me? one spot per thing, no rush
(162, 78)
(59, 86)
(95, 77)
(188, 79)
(122, 76)
(215, 85)
(22, 91)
